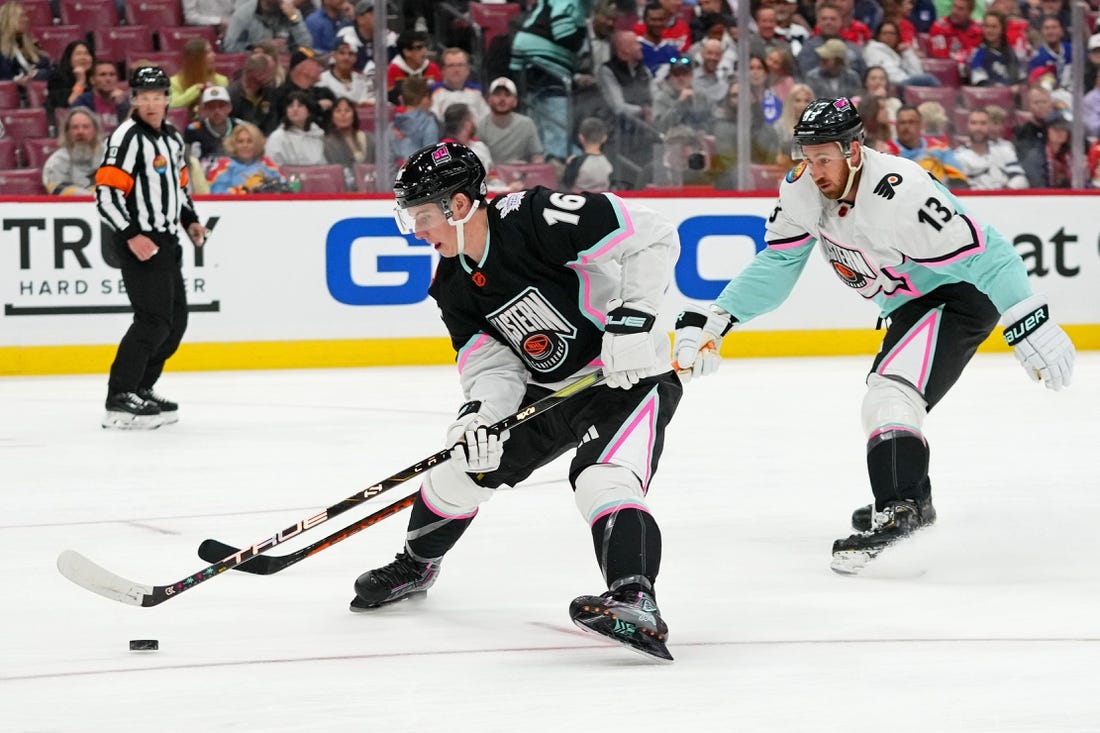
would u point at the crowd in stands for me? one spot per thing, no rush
(277, 95)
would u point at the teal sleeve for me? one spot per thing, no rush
(765, 283)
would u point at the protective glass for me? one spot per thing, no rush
(419, 218)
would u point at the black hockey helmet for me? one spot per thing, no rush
(149, 78)
(829, 120)
(437, 172)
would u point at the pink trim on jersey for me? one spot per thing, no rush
(612, 240)
(894, 429)
(443, 514)
(464, 355)
(619, 507)
(791, 245)
(909, 290)
(929, 323)
(648, 412)
(979, 239)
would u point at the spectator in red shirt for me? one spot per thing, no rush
(676, 29)
(851, 28)
(956, 35)
(411, 60)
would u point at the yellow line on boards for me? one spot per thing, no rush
(96, 359)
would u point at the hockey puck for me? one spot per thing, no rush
(144, 645)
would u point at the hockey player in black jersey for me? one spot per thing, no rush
(537, 289)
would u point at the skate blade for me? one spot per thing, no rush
(362, 607)
(644, 645)
(170, 418)
(852, 562)
(126, 421)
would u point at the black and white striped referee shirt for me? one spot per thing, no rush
(142, 184)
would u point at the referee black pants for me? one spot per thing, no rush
(156, 293)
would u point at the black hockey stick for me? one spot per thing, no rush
(211, 550)
(90, 576)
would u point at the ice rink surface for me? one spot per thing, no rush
(989, 621)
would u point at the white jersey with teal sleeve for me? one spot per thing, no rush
(903, 236)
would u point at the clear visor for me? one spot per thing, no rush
(416, 219)
(820, 154)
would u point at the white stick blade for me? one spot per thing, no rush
(97, 579)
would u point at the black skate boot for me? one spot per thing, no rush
(627, 614)
(861, 518)
(405, 577)
(896, 521)
(169, 410)
(128, 411)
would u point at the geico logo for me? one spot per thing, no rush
(390, 272)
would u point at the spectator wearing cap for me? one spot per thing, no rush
(263, 20)
(415, 127)
(326, 21)
(674, 100)
(411, 60)
(304, 73)
(1092, 61)
(70, 170)
(342, 78)
(674, 29)
(196, 73)
(361, 37)
(657, 51)
(828, 28)
(832, 77)
(299, 140)
(110, 103)
(456, 86)
(510, 136)
(253, 93)
(1090, 103)
(205, 137)
(1048, 165)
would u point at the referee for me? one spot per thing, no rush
(141, 193)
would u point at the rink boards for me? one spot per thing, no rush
(315, 281)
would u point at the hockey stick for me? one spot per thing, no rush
(211, 550)
(90, 576)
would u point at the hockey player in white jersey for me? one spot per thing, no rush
(896, 236)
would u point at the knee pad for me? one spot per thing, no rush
(890, 405)
(450, 492)
(605, 488)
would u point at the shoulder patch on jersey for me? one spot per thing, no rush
(509, 203)
(886, 187)
(794, 173)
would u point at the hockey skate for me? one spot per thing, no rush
(405, 577)
(896, 521)
(169, 411)
(627, 615)
(861, 518)
(128, 411)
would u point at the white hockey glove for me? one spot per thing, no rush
(476, 448)
(1042, 347)
(628, 353)
(697, 340)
